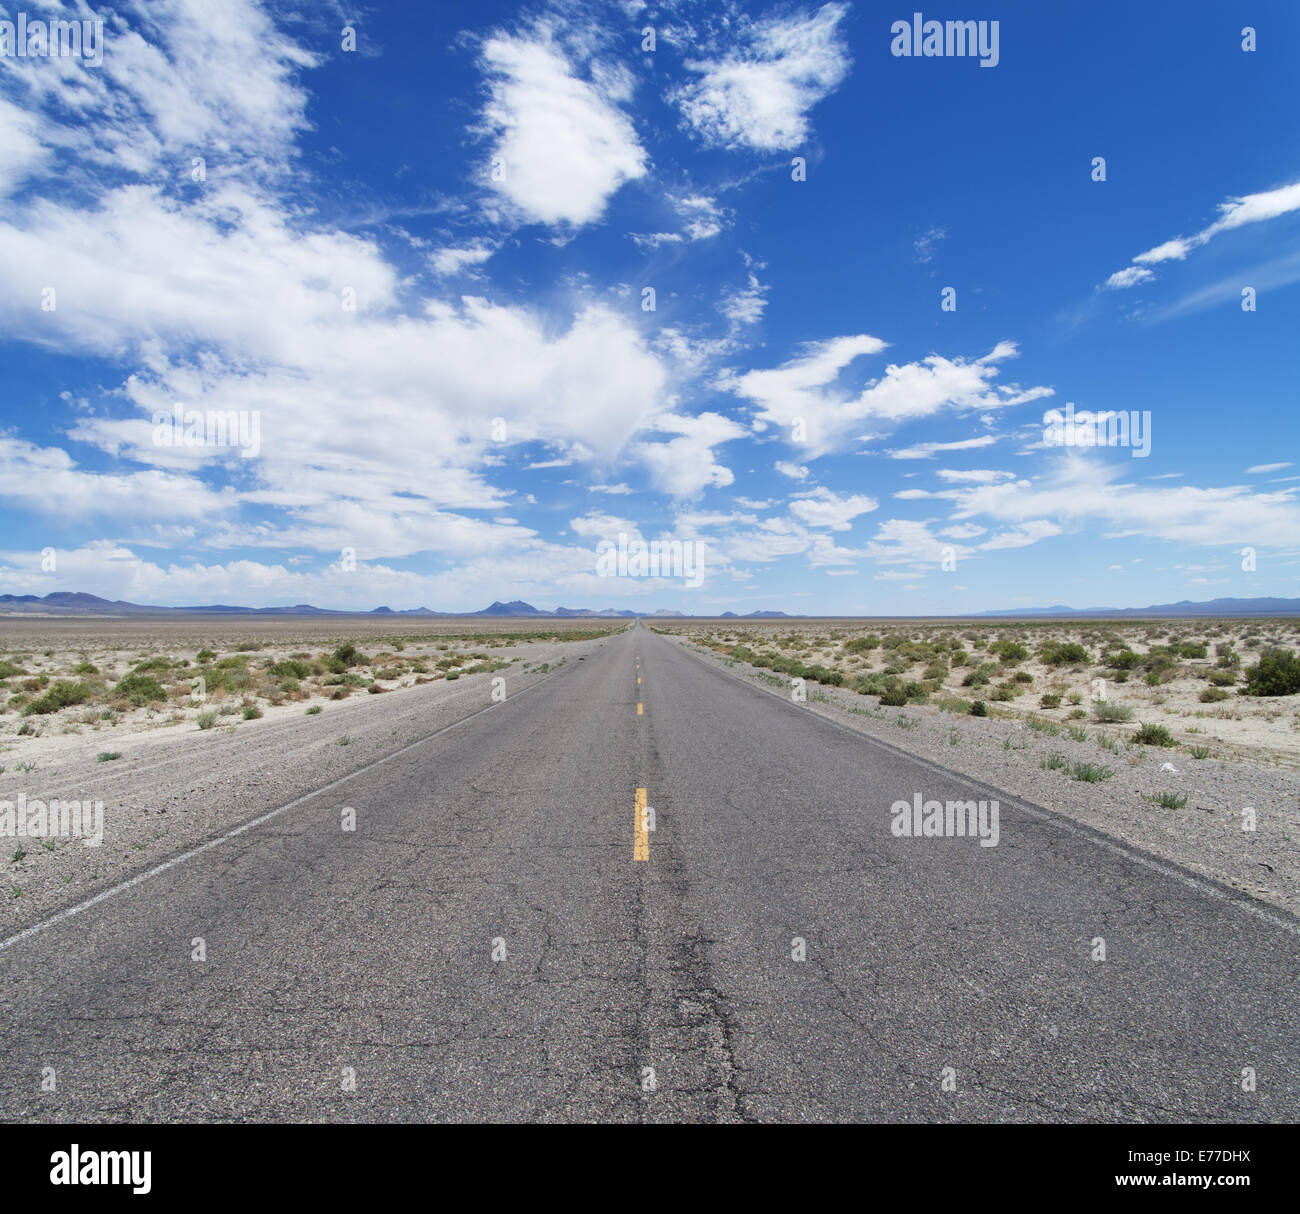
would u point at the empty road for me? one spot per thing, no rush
(500, 937)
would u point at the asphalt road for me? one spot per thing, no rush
(350, 975)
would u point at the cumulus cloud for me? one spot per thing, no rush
(685, 466)
(1081, 491)
(807, 390)
(824, 508)
(561, 145)
(758, 95)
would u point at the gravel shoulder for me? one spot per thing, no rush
(1206, 836)
(175, 786)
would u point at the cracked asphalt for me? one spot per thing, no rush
(350, 975)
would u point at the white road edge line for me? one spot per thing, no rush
(140, 878)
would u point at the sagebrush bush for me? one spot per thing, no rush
(139, 688)
(1154, 735)
(61, 695)
(1277, 673)
(1109, 711)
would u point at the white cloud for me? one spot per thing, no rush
(823, 508)
(685, 466)
(1269, 467)
(744, 305)
(561, 144)
(974, 476)
(924, 246)
(48, 480)
(1235, 213)
(930, 450)
(806, 390)
(1083, 491)
(449, 261)
(796, 472)
(21, 149)
(1130, 276)
(759, 95)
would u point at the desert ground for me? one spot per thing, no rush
(62, 677)
(1140, 729)
(1185, 676)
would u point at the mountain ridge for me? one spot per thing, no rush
(79, 603)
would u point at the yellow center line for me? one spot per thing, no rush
(638, 680)
(640, 836)
(640, 709)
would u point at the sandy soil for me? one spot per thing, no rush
(1267, 729)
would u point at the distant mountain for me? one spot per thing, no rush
(73, 603)
(565, 613)
(1184, 607)
(516, 608)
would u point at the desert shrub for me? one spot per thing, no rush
(251, 712)
(61, 695)
(1212, 695)
(206, 720)
(1090, 773)
(1154, 735)
(153, 666)
(893, 697)
(1109, 711)
(290, 668)
(978, 709)
(347, 655)
(1050, 701)
(1277, 673)
(1193, 649)
(1062, 653)
(1121, 659)
(1011, 652)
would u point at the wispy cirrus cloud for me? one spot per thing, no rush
(1234, 213)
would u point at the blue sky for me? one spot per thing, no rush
(416, 272)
